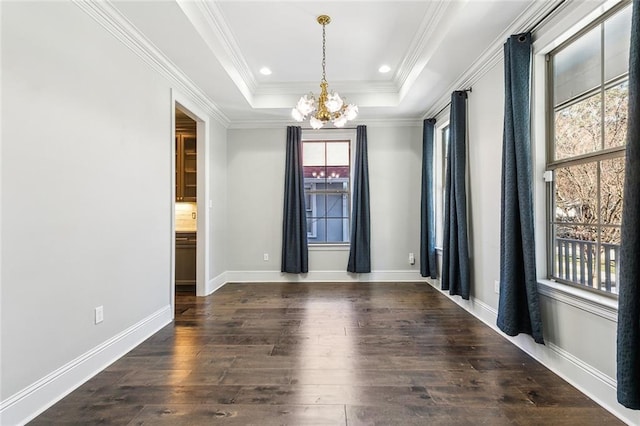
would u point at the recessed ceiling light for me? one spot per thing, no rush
(265, 71)
(384, 69)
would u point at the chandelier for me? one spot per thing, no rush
(329, 106)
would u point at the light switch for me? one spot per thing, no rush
(99, 314)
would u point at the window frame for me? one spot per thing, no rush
(334, 135)
(439, 169)
(551, 164)
(312, 200)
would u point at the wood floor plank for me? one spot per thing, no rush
(371, 396)
(327, 354)
(78, 414)
(432, 416)
(239, 415)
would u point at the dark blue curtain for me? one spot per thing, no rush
(628, 351)
(428, 266)
(455, 244)
(360, 253)
(518, 308)
(294, 222)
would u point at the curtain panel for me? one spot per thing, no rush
(628, 347)
(518, 307)
(294, 220)
(455, 250)
(360, 252)
(428, 266)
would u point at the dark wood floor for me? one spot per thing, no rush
(325, 354)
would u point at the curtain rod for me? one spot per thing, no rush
(533, 28)
(470, 89)
(546, 16)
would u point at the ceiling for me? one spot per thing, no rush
(432, 48)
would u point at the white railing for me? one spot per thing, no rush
(578, 261)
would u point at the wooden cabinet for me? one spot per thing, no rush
(186, 167)
(185, 260)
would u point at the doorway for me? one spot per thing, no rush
(186, 199)
(194, 194)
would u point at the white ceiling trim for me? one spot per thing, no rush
(213, 11)
(287, 102)
(300, 88)
(123, 30)
(275, 124)
(429, 37)
(494, 53)
(418, 45)
(209, 22)
(374, 94)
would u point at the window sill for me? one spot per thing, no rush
(602, 306)
(329, 247)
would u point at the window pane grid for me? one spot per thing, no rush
(327, 191)
(588, 134)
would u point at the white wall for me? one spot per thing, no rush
(579, 327)
(86, 202)
(256, 164)
(255, 161)
(218, 212)
(580, 345)
(484, 113)
(86, 206)
(86, 185)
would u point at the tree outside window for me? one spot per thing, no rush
(590, 104)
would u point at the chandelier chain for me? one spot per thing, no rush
(324, 60)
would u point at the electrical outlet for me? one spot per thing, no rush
(496, 286)
(99, 311)
(265, 257)
(412, 259)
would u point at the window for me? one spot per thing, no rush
(588, 117)
(440, 168)
(327, 190)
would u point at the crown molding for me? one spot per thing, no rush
(123, 30)
(209, 21)
(214, 15)
(532, 16)
(299, 88)
(279, 124)
(421, 42)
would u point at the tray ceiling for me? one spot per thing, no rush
(431, 47)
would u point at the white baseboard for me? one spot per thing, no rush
(322, 276)
(589, 380)
(25, 405)
(33, 400)
(215, 283)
